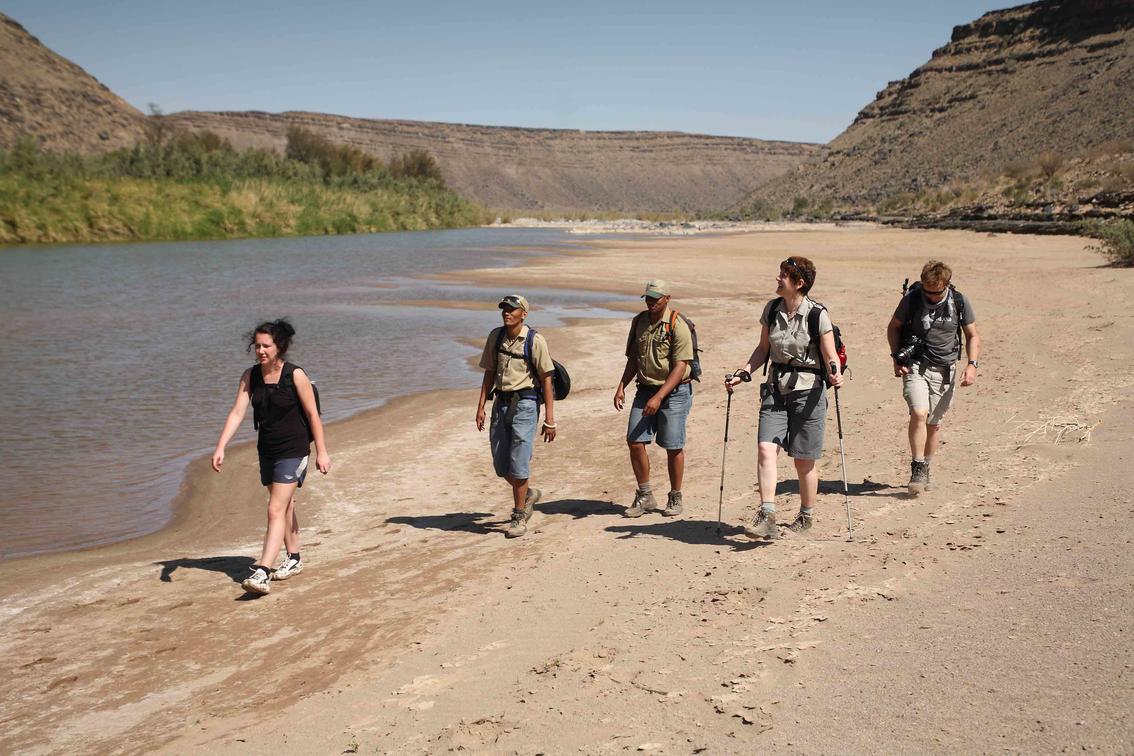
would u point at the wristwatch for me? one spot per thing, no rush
(974, 363)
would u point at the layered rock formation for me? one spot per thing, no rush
(1054, 76)
(518, 169)
(48, 97)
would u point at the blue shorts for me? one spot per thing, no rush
(511, 434)
(668, 423)
(290, 470)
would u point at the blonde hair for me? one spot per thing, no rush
(936, 271)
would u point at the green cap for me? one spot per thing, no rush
(514, 300)
(657, 289)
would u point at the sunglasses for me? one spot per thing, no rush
(791, 264)
(935, 294)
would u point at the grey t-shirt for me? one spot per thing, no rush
(937, 324)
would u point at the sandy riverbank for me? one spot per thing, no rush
(418, 628)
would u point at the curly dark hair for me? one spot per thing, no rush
(280, 330)
(801, 270)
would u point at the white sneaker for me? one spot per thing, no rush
(290, 566)
(258, 582)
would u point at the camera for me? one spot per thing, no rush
(911, 349)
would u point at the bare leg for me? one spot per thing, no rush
(279, 497)
(640, 461)
(808, 482)
(291, 536)
(519, 491)
(917, 433)
(766, 470)
(932, 433)
(675, 458)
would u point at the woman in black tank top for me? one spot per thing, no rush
(286, 415)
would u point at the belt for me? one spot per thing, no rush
(527, 393)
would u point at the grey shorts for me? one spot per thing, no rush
(511, 434)
(795, 421)
(929, 391)
(668, 423)
(288, 470)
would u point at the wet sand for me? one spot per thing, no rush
(416, 627)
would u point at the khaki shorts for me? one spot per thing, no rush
(929, 391)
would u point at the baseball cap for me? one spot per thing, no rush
(514, 300)
(657, 289)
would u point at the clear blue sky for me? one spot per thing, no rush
(774, 70)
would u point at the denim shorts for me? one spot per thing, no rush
(796, 421)
(668, 423)
(511, 434)
(289, 470)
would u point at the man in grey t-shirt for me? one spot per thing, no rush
(925, 342)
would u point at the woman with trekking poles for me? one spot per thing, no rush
(797, 343)
(286, 414)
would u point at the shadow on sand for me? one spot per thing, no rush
(236, 567)
(696, 532)
(475, 522)
(865, 488)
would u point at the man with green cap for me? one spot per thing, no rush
(659, 354)
(517, 368)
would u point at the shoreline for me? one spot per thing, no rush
(418, 627)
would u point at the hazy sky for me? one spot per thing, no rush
(775, 70)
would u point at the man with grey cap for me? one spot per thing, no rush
(659, 354)
(517, 369)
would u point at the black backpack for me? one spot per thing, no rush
(287, 380)
(695, 363)
(813, 331)
(560, 378)
(913, 311)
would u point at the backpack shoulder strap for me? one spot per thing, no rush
(673, 316)
(813, 321)
(771, 317)
(528, 340)
(499, 338)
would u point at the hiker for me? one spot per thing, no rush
(518, 370)
(659, 357)
(925, 343)
(286, 413)
(793, 398)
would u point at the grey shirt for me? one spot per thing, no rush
(790, 344)
(937, 324)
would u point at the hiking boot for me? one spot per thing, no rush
(928, 482)
(530, 501)
(801, 523)
(763, 527)
(643, 502)
(291, 566)
(673, 504)
(919, 477)
(519, 524)
(258, 582)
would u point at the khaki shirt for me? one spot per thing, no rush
(655, 351)
(791, 344)
(512, 372)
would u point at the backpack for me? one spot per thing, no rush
(813, 331)
(695, 363)
(256, 379)
(560, 378)
(914, 310)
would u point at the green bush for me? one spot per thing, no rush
(1116, 241)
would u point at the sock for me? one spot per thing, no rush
(294, 556)
(262, 567)
(805, 511)
(675, 490)
(644, 488)
(918, 459)
(768, 507)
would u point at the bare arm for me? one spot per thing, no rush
(549, 408)
(972, 349)
(309, 407)
(628, 372)
(234, 419)
(830, 358)
(894, 339)
(485, 385)
(759, 354)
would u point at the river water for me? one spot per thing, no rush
(121, 361)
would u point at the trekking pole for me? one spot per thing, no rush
(842, 454)
(744, 376)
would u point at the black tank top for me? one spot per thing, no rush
(283, 432)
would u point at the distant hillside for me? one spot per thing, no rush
(48, 97)
(518, 169)
(1050, 77)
